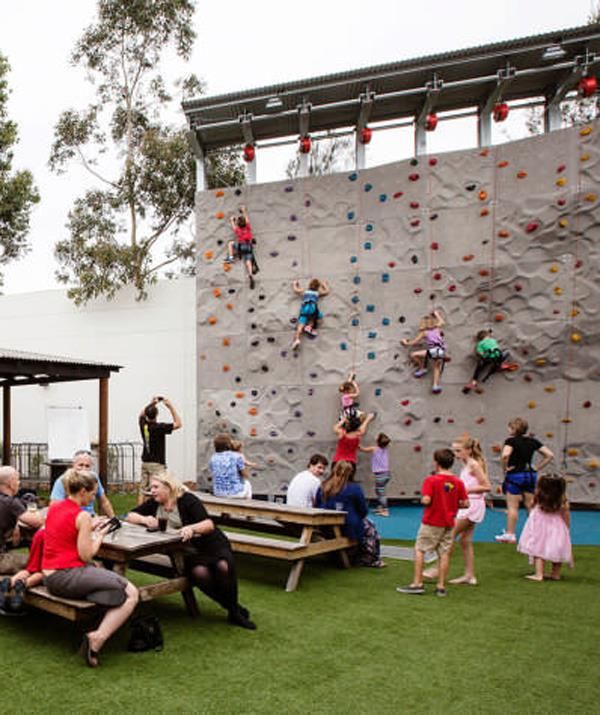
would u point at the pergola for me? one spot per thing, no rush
(23, 368)
(542, 69)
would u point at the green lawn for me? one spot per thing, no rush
(345, 642)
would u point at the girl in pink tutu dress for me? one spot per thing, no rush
(546, 535)
(474, 474)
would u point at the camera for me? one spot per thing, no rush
(160, 398)
(113, 524)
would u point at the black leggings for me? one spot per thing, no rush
(218, 581)
(488, 366)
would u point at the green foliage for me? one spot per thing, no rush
(327, 155)
(17, 190)
(128, 229)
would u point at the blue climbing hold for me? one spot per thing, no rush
(356, 280)
(368, 245)
(372, 335)
(377, 391)
(355, 299)
(355, 322)
(383, 198)
(343, 346)
(369, 227)
(368, 187)
(370, 356)
(385, 277)
(351, 215)
(353, 176)
(353, 259)
(370, 308)
(385, 321)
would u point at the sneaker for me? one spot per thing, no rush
(17, 600)
(251, 283)
(419, 373)
(441, 592)
(229, 259)
(436, 390)
(4, 589)
(411, 589)
(505, 538)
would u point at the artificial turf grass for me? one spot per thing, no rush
(344, 642)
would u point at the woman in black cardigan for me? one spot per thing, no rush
(209, 558)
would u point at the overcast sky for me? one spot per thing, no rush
(240, 45)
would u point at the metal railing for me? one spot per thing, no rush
(123, 461)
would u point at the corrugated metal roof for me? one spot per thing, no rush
(6, 354)
(400, 88)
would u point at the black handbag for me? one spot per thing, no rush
(146, 634)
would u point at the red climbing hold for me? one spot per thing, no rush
(404, 403)
(415, 222)
(561, 202)
(578, 263)
(407, 421)
(518, 287)
(561, 168)
(437, 276)
(418, 290)
(587, 86)
(532, 226)
(484, 272)
(417, 448)
(392, 264)
(431, 122)
(587, 404)
(434, 246)
(452, 288)
(249, 153)
(414, 204)
(433, 161)
(500, 112)
(413, 177)
(366, 135)
(398, 194)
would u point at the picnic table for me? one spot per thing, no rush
(306, 532)
(132, 542)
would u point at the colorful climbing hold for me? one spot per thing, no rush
(532, 404)
(484, 212)
(558, 290)
(434, 246)
(212, 320)
(413, 177)
(226, 342)
(252, 411)
(584, 157)
(575, 337)
(220, 215)
(484, 272)
(219, 193)
(217, 292)
(398, 194)
(433, 161)
(208, 255)
(414, 204)
(415, 222)
(417, 291)
(561, 182)
(532, 226)
(563, 223)
(498, 318)
(368, 187)
(391, 264)
(452, 288)
(587, 404)
(521, 174)
(437, 276)
(586, 131)
(355, 299)
(483, 195)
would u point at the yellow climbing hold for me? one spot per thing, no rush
(553, 268)
(562, 181)
(532, 404)
(566, 420)
(593, 464)
(575, 337)
(586, 131)
(584, 157)
(550, 388)
(540, 362)
(558, 290)
(563, 223)
(575, 312)
(572, 452)
(549, 435)
(590, 197)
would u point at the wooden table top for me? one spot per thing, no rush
(133, 540)
(220, 506)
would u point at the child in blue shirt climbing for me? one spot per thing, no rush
(309, 310)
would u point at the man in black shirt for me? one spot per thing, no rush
(13, 511)
(153, 439)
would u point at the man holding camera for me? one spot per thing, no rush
(153, 438)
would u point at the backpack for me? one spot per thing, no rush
(146, 634)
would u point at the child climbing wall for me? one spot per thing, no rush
(506, 236)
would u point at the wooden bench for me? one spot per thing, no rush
(291, 551)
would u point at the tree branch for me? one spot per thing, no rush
(87, 166)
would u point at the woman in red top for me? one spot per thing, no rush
(349, 432)
(69, 546)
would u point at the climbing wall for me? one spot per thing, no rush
(506, 237)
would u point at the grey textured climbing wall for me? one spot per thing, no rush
(507, 238)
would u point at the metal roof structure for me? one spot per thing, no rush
(24, 368)
(548, 65)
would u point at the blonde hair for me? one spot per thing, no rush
(428, 322)
(169, 480)
(74, 480)
(473, 446)
(236, 445)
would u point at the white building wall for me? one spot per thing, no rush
(154, 341)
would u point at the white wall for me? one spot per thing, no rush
(153, 340)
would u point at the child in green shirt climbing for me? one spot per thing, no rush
(490, 359)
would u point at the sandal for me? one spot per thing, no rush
(85, 650)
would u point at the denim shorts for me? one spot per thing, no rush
(519, 483)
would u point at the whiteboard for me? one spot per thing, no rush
(68, 431)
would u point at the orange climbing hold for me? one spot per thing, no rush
(590, 197)
(212, 320)
(484, 212)
(575, 312)
(540, 362)
(498, 317)
(550, 388)
(553, 268)
(469, 257)
(240, 395)
(572, 452)
(252, 411)
(208, 255)
(575, 337)
(584, 157)
(229, 306)
(496, 448)
(502, 164)
(217, 292)
(253, 432)
(219, 215)
(558, 290)
(484, 272)
(593, 464)
(219, 193)
(521, 174)
(226, 342)
(226, 368)
(227, 267)
(503, 233)
(483, 195)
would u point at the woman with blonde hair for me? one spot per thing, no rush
(70, 544)
(339, 492)
(210, 560)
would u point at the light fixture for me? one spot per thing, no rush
(553, 52)
(273, 103)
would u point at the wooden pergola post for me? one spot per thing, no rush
(6, 431)
(103, 431)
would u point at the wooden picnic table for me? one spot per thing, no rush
(132, 542)
(310, 532)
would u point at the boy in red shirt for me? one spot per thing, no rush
(443, 494)
(244, 242)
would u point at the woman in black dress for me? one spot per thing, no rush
(209, 560)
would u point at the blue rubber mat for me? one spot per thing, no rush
(404, 521)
